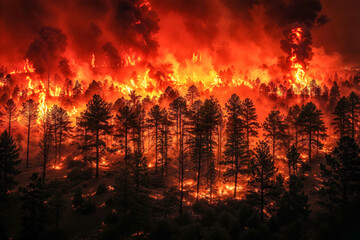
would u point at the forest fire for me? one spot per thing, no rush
(170, 120)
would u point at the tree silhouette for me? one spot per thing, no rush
(196, 142)
(274, 127)
(294, 203)
(310, 125)
(341, 174)
(54, 117)
(354, 105)
(192, 94)
(83, 138)
(96, 118)
(249, 117)
(178, 110)
(334, 96)
(64, 128)
(33, 209)
(125, 120)
(236, 145)
(342, 117)
(155, 117)
(9, 160)
(11, 112)
(291, 120)
(210, 116)
(211, 180)
(45, 144)
(29, 113)
(261, 172)
(165, 142)
(293, 158)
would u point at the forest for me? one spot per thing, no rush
(182, 166)
(179, 120)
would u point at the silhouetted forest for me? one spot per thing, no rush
(183, 166)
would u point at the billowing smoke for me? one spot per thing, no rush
(46, 50)
(224, 34)
(112, 54)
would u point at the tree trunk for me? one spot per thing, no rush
(156, 145)
(9, 122)
(198, 175)
(310, 146)
(97, 154)
(28, 142)
(236, 175)
(181, 166)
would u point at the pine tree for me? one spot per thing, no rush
(33, 209)
(165, 142)
(274, 127)
(45, 144)
(342, 119)
(291, 120)
(261, 172)
(354, 105)
(56, 204)
(9, 160)
(64, 128)
(96, 119)
(54, 116)
(83, 138)
(311, 125)
(293, 204)
(334, 96)
(209, 118)
(29, 113)
(155, 117)
(192, 94)
(341, 174)
(211, 180)
(178, 111)
(236, 145)
(196, 142)
(293, 158)
(249, 117)
(125, 121)
(11, 113)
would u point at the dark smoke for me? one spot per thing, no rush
(65, 68)
(46, 50)
(113, 55)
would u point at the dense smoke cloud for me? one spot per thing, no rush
(113, 55)
(44, 52)
(231, 32)
(87, 24)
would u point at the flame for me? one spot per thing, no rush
(28, 67)
(42, 104)
(297, 68)
(73, 111)
(55, 93)
(93, 60)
